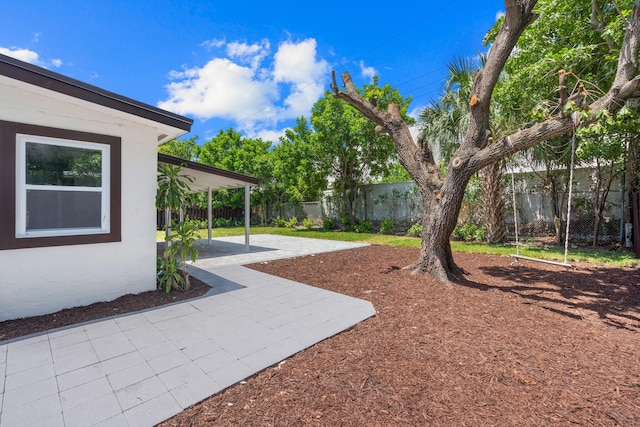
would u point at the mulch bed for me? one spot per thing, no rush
(528, 344)
(125, 304)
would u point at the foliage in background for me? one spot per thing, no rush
(348, 144)
(582, 40)
(328, 223)
(470, 233)
(415, 230)
(387, 226)
(298, 170)
(363, 226)
(187, 149)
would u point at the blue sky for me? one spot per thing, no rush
(253, 66)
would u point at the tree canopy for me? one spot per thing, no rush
(348, 144)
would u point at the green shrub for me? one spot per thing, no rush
(469, 232)
(415, 230)
(363, 226)
(387, 226)
(278, 221)
(291, 223)
(307, 223)
(347, 225)
(328, 223)
(202, 224)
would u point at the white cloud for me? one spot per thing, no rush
(499, 14)
(30, 56)
(255, 89)
(249, 53)
(221, 88)
(25, 55)
(213, 43)
(296, 66)
(267, 134)
(367, 72)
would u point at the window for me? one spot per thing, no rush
(62, 187)
(58, 187)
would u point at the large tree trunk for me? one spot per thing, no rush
(439, 218)
(442, 197)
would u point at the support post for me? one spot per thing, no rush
(209, 219)
(247, 215)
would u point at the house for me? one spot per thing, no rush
(78, 167)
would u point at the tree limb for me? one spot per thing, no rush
(416, 158)
(519, 14)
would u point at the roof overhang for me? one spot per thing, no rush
(209, 177)
(172, 125)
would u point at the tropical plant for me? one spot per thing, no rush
(168, 273)
(182, 243)
(172, 190)
(180, 237)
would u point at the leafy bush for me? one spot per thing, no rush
(307, 223)
(328, 223)
(363, 226)
(346, 223)
(415, 230)
(278, 221)
(291, 223)
(218, 223)
(202, 224)
(469, 232)
(387, 226)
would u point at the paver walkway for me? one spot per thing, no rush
(142, 368)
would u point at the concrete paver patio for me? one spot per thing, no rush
(142, 368)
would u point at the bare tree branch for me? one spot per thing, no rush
(416, 158)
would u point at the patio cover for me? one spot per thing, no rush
(208, 179)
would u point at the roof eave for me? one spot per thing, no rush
(50, 80)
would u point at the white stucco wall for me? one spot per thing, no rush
(44, 280)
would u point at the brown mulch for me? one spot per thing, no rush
(125, 304)
(528, 344)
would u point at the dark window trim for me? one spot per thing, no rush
(8, 240)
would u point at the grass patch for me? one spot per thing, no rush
(614, 259)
